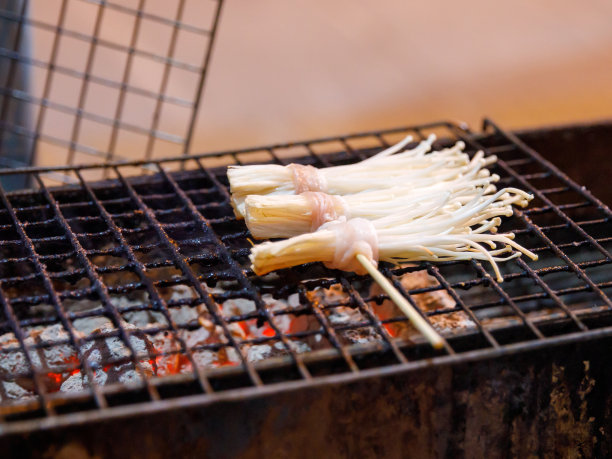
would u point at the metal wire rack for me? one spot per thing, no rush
(70, 253)
(72, 86)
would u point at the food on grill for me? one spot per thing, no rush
(456, 231)
(389, 168)
(448, 196)
(280, 216)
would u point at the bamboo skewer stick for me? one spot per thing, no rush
(417, 319)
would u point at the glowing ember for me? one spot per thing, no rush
(57, 378)
(162, 353)
(390, 330)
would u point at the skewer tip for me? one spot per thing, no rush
(409, 310)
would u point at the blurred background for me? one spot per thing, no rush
(284, 71)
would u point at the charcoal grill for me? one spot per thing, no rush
(529, 375)
(130, 323)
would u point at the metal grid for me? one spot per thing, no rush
(54, 95)
(95, 242)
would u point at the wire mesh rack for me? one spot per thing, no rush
(137, 289)
(88, 80)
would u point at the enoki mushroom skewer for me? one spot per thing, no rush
(389, 168)
(442, 214)
(276, 216)
(446, 230)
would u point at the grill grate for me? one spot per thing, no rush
(110, 251)
(63, 62)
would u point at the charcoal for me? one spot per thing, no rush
(78, 381)
(10, 390)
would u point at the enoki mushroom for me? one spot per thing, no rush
(445, 230)
(389, 168)
(276, 216)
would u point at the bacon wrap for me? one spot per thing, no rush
(307, 178)
(353, 236)
(324, 208)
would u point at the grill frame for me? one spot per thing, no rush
(301, 363)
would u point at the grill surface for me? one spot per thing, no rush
(138, 236)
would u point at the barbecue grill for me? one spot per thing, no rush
(70, 253)
(131, 323)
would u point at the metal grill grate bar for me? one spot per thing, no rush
(52, 65)
(235, 269)
(539, 231)
(139, 12)
(182, 264)
(101, 136)
(436, 273)
(98, 286)
(154, 295)
(21, 19)
(365, 309)
(387, 273)
(55, 299)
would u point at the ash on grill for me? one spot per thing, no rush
(159, 353)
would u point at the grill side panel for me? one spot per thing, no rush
(538, 403)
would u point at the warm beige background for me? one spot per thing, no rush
(292, 70)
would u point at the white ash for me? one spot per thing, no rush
(202, 335)
(164, 343)
(51, 357)
(138, 318)
(11, 390)
(99, 351)
(249, 329)
(88, 325)
(259, 352)
(12, 364)
(205, 358)
(184, 315)
(300, 346)
(79, 382)
(290, 323)
(180, 292)
(229, 354)
(209, 334)
(130, 376)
